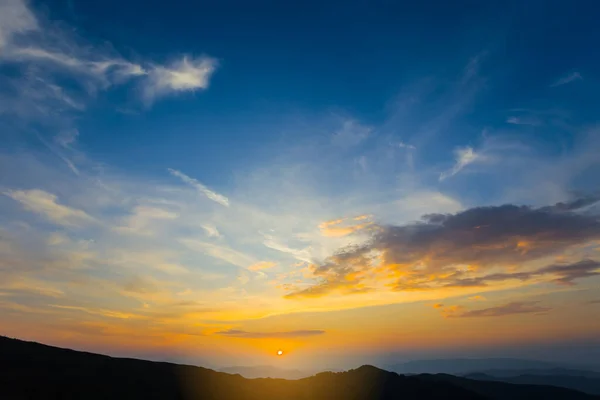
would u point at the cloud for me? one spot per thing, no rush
(214, 196)
(464, 156)
(185, 75)
(106, 70)
(403, 145)
(562, 273)
(221, 252)
(270, 335)
(211, 230)
(337, 228)
(141, 285)
(67, 137)
(463, 250)
(15, 18)
(572, 77)
(477, 298)
(300, 254)
(46, 204)
(351, 134)
(262, 265)
(54, 51)
(513, 308)
(532, 121)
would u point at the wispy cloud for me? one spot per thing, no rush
(572, 77)
(262, 265)
(477, 298)
(270, 335)
(185, 75)
(529, 120)
(46, 204)
(340, 227)
(403, 145)
(221, 252)
(351, 134)
(513, 308)
(211, 230)
(15, 18)
(464, 156)
(214, 196)
(55, 52)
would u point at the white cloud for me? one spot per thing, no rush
(523, 121)
(57, 51)
(15, 18)
(214, 196)
(45, 204)
(143, 216)
(403, 145)
(299, 254)
(185, 75)
(211, 230)
(107, 70)
(573, 76)
(464, 156)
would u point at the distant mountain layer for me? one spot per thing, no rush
(34, 371)
(460, 366)
(267, 372)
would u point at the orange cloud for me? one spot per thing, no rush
(262, 265)
(333, 229)
(433, 253)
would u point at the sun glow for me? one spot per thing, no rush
(279, 352)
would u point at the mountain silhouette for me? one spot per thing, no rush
(34, 371)
(582, 383)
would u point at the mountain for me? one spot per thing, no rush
(582, 383)
(267, 371)
(501, 373)
(461, 366)
(35, 371)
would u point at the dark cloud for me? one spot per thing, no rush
(501, 311)
(458, 249)
(261, 335)
(563, 273)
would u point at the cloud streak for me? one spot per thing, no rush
(513, 308)
(46, 204)
(214, 196)
(464, 156)
(270, 335)
(572, 77)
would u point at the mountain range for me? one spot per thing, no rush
(34, 371)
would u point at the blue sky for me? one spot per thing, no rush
(188, 175)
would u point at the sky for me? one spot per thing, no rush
(346, 182)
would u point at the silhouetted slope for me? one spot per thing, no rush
(502, 390)
(581, 383)
(34, 371)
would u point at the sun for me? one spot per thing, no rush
(279, 352)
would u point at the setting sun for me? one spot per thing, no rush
(279, 352)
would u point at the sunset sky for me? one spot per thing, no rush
(211, 182)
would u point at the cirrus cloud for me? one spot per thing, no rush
(270, 335)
